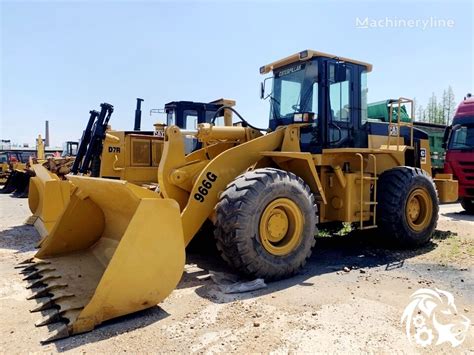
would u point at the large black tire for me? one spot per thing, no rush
(397, 190)
(237, 227)
(468, 205)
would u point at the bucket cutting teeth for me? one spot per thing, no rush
(45, 291)
(50, 302)
(54, 315)
(61, 331)
(25, 267)
(27, 261)
(43, 304)
(37, 273)
(50, 316)
(41, 281)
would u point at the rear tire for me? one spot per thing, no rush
(468, 205)
(266, 223)
(407, 210)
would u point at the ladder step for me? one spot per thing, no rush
(369, 227)
(371, 203)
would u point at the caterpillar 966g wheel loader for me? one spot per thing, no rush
(119, 248)
(125, 155)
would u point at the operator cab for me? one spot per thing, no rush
(326, 91)
(188, 114)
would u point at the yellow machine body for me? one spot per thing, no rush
(131, 156)
(118, 248)
(47, 197)
(128, 243)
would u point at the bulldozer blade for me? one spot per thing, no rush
(47, 198)
(116, 249)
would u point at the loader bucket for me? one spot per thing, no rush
(117, 248)
(48, 196)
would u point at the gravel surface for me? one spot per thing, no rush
(349, 298)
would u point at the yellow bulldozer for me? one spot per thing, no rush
(118, 248)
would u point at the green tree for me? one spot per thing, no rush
(432, 109)
(449, 105)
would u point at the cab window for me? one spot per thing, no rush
(339, 94)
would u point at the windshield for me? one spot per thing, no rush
(295, 89)
(462, 138)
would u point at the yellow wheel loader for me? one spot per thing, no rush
(118, 248)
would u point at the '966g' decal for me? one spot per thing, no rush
(205, 186)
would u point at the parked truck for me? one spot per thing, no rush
(459, 144)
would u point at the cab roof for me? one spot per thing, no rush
(465, 108)
(306, 55)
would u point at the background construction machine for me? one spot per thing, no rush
(380, 111)
(125, 155)
(18, 173)
(118, 248)
(15, 166)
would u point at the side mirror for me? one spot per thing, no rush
(262, 90)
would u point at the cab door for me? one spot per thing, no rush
(341, 105)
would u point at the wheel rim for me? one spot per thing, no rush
(281, 226)
(418, 210)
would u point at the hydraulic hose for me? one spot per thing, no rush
(243, 120)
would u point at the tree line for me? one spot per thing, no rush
(440, 111)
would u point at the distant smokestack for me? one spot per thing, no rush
(46, 136)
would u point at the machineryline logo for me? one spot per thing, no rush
(395, 22)
(431, 318)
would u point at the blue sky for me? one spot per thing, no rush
(60, 59)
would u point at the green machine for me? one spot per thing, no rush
(380, 111)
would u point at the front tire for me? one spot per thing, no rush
(266, 223)
(407, 210)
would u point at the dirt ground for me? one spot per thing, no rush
(349, 298)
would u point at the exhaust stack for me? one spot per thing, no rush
(138, 115)
(46, 136)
